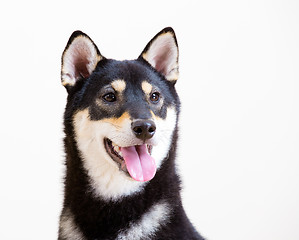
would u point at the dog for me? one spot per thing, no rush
(121, 131)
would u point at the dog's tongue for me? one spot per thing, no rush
(140, 165)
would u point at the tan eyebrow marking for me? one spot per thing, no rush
(119, 85)
(146, 87)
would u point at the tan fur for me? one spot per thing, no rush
(118, 122)
(146, 87)
(119, 85)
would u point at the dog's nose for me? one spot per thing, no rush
(144, 129)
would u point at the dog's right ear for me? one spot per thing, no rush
(79, 59)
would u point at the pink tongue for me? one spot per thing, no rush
(140, 164)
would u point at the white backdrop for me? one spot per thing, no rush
(239, 86)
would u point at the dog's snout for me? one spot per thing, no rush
(144, 129)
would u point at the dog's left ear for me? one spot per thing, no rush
(162, 54)
(79, 59)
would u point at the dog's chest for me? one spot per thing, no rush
(143, 228)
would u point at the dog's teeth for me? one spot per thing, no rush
(113, 144)
(117, 149)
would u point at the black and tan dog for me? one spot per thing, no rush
(120, 141)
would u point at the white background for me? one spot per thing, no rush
(239, 86)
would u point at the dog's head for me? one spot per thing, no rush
(122, 113)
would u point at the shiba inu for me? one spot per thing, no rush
(120, 142)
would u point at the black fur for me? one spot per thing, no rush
(96, 217)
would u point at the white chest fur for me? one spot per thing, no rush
(144, 228)
(149, 223)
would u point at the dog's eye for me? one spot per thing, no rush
(109, 97)
(155, 97)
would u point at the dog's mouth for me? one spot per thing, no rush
(135, 160)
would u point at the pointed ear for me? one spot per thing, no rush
(79, 59)
(162, 54)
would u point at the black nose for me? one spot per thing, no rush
(144, 129)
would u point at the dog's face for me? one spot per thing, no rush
(123, 113)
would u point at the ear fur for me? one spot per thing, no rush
(162, 54)
(79, 59)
